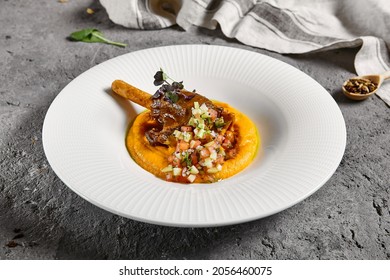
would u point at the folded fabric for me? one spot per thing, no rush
(295, 26)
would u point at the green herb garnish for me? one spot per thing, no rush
(172, 96)
(187, 159)
(170, 90)
(219, 122)
(92, 35)
(160, 77)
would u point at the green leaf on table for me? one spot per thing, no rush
(92, 35)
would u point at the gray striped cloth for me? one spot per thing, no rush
(288, 27)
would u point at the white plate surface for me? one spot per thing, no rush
(302, 129)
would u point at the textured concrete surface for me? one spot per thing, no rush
(40, 218)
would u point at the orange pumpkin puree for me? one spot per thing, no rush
(154, 158)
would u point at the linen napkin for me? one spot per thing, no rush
(287, 27)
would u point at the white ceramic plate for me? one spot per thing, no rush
(302, 129)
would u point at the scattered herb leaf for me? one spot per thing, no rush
(19, 235)
(92, 35)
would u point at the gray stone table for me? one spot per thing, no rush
(41, 218)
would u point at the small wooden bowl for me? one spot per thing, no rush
(376, 79)
(357, 96)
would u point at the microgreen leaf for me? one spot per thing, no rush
(92, 35)
(164, 76)
(172, 96)
(159, 78)
(172, 91)
(178, 85)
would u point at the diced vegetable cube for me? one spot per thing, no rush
(176, 171)
(213, 155)
(196, 105)
(208, 162)
(204, 108)
(191, 178)
(212, 170)
(193, 170)
(177, 134)
(167, 169)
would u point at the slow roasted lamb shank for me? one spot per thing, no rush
(170, 107)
